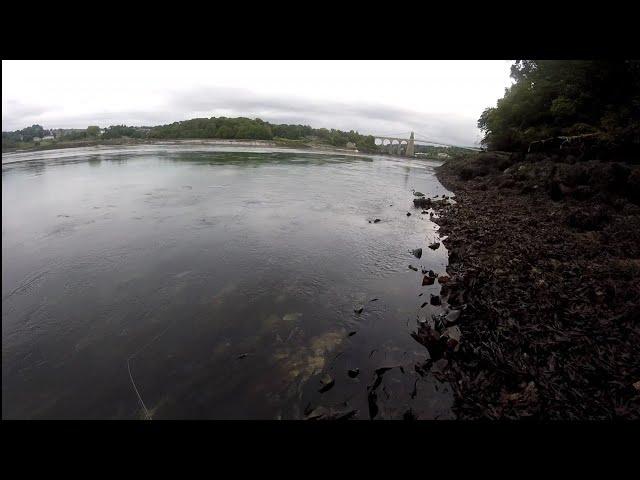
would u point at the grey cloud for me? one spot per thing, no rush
(18, 114)
(368, 118)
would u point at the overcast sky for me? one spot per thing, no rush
(440, 100)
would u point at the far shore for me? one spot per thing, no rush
(193, 141)
(293, 145)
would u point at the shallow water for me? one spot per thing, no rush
(224, 279)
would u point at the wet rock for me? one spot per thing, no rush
(429, 337)
(358, 309)
(409, 415)
(452, 336)
(317, 413)
(440, 365)
(351, 334)
(422, 202)
(427, 280)
(417, 252)
(373, 300)
(326, 382)
(291, 317)
(587, 220)
(376, 220)
(435, 299)
(424, 305)
(434, 245)
(415, 269)
(354, 372)
(432, 274)
(526, 399)
(322, 413)
(452, 317)
(242, 355)
(418, 194)
(339, 415)
(443, 279)
(372, 400)
(408, 214)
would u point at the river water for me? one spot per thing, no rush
(173, 282)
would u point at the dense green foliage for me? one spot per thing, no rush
(434, 151)
(25, 135)
(248, 129)
(221, 128)
(119, 131)
(563, 98)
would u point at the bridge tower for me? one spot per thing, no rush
(411, 149)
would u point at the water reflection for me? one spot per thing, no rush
(224, 281)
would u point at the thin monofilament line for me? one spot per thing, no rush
(144, 407)
(133, 383)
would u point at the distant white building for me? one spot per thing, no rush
(48, 137)
(443, 155)
(36, 139)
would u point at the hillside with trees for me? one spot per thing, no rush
(554, 98)
(199, 128)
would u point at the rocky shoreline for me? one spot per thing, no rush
(544, 271)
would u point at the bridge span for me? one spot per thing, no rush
(399, 144)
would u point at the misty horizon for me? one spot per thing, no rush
(440, 100)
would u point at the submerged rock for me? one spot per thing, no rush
(358, 309)
(415, 269)
(326, 382)
(354, 372)
(434, 245)
(418, 194)
(435, 299)
(428, 280)
(376, 220)
(408, 214)
(417, 252)
(291, 317)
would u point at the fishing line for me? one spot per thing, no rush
(133, 383)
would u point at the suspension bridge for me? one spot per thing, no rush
(403, 143)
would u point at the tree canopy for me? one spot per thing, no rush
(565, 97)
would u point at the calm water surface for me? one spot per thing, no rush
(218, 282)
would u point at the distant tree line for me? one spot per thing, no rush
(221, 128)
(25, 135)
(256, 129)
(432, 151)
(552, 98)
